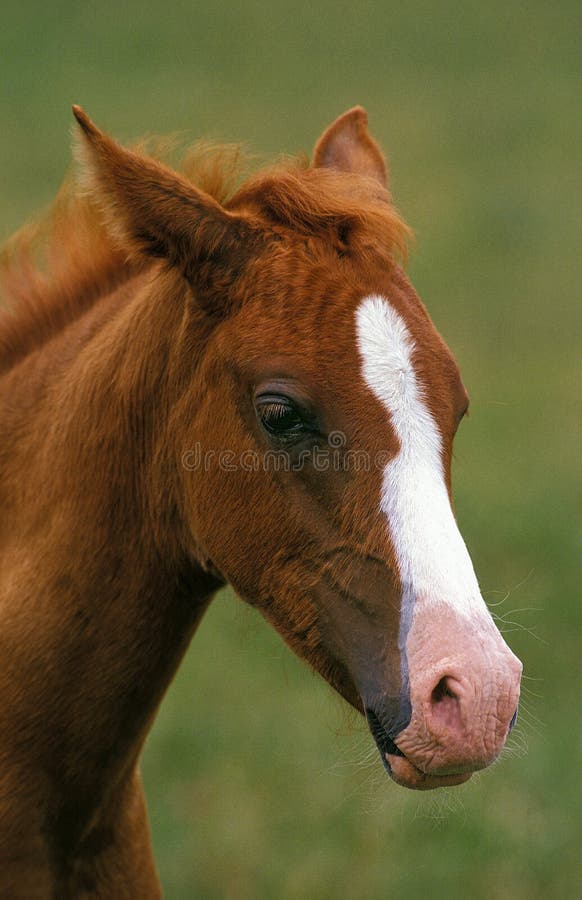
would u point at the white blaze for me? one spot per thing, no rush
(433, 560)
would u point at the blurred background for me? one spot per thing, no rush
(259, 784)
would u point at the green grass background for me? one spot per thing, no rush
(259, 785)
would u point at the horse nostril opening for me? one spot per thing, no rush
(443, 690)
(445, 708)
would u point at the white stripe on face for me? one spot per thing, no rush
(433, 561)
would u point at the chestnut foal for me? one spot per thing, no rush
(201, 389)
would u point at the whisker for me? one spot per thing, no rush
(513, 612)
(502, 622)
(512, 590)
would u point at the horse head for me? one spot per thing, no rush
(322, 405)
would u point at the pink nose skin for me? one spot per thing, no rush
(464, 691)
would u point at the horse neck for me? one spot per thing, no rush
(99, 591)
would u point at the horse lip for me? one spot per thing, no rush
(410, 776)
(384, 742)
(406, 774)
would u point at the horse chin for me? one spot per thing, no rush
(401, 770)
(404, 773)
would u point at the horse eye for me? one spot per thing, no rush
(280, 417)
(462, 415)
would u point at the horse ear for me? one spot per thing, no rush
(347, 146)
(154, 211)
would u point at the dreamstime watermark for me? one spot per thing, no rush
(332, 455)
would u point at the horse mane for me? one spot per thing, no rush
(55, 268)
(317, 201)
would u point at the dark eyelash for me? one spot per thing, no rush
(274, 409)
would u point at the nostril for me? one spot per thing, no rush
(443, 689)
(445, 704)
